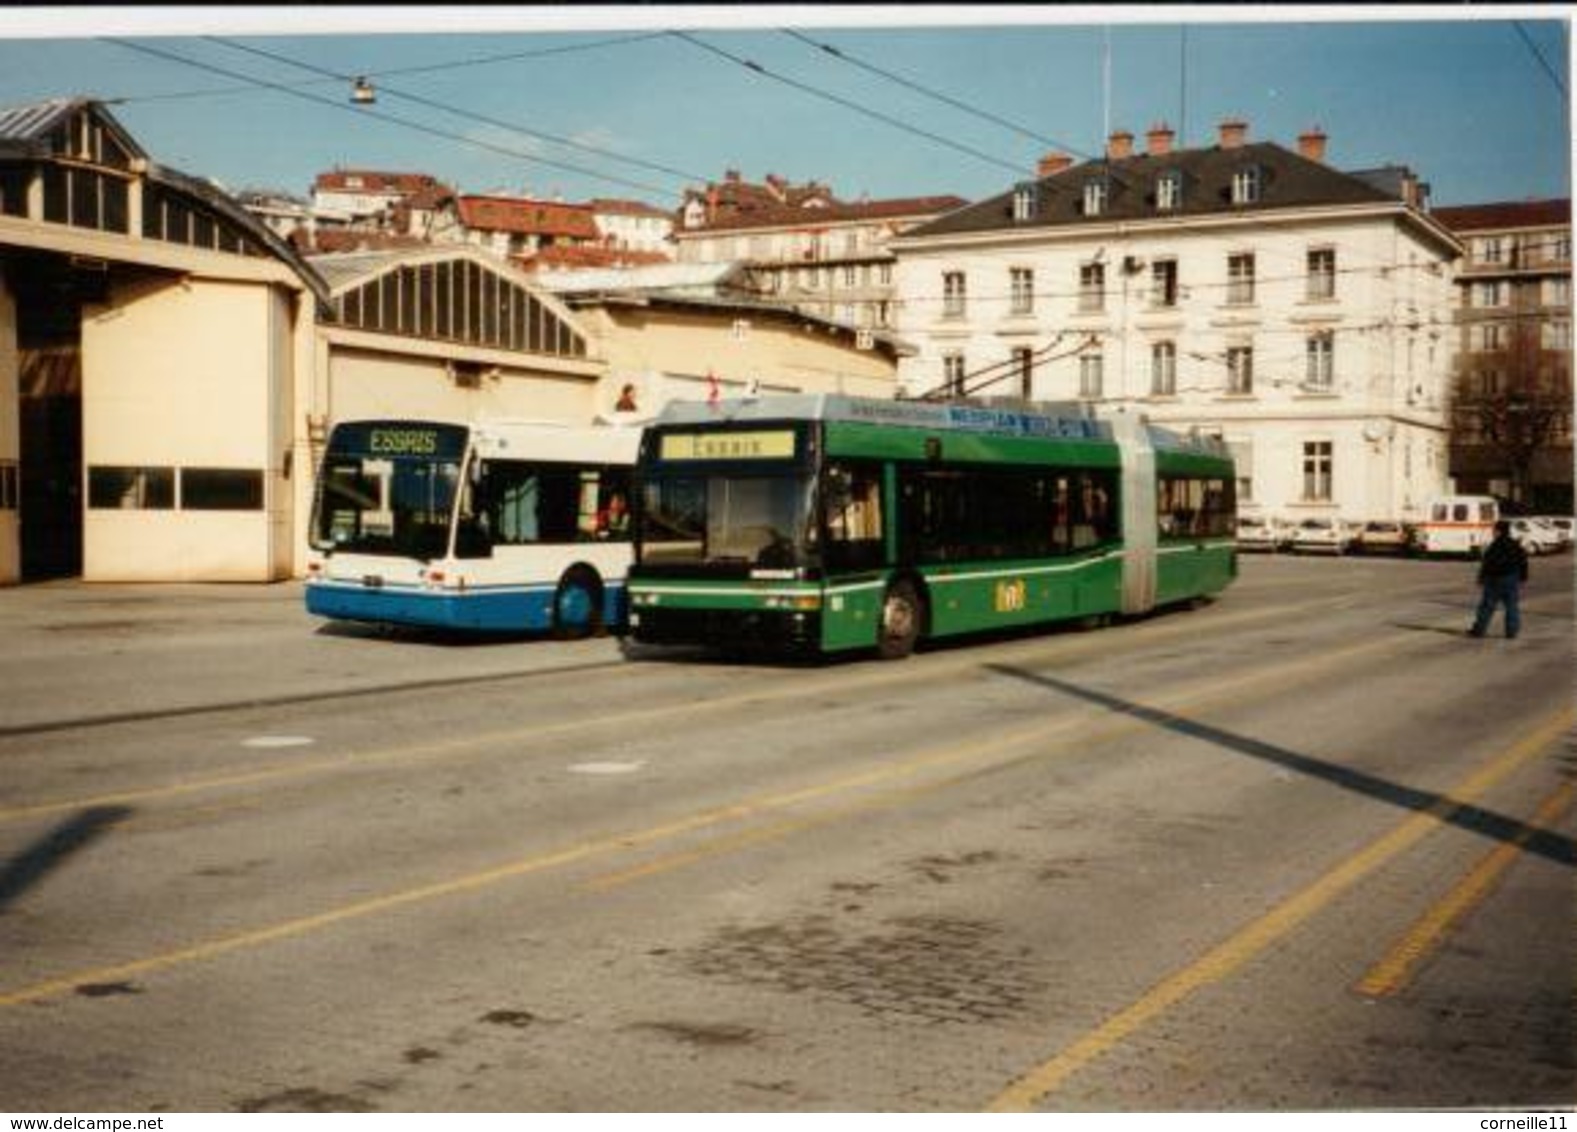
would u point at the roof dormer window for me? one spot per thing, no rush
(1096, 193)
(1246, 185)
(1169, 192)
(1024, 202)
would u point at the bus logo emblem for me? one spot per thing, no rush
(1011, 597)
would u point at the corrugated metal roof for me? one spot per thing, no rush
(669, 277)
(35, 120)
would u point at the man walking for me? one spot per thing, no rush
(1501, 573)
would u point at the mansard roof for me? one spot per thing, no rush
(1286, 180)
(1506, 215)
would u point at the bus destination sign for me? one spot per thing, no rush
(777, 444)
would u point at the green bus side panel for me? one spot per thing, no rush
(883, 442)
(1188, 570)
(972, 599)
(851, 615)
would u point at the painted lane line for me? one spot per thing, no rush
(1023, 1094)
(1393, 973)
(840, 681)
(747, 809)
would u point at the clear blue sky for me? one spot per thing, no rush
(1473, 101)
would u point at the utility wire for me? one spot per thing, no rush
(847, 104)
(383, 117)
(938, 96)
(425, 68)
(568, 143)
(1539, 55)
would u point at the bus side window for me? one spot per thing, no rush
(853, 509)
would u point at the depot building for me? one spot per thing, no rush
(170, 368)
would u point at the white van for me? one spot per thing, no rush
(1458, 524)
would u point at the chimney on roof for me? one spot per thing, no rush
(1158, 139)
(1119, 145)
(1052, 164)
(1233, 132)
(1311, 144)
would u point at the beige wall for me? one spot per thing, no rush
(10, 436)
(667, 354)
(387, 384)
(185, 374)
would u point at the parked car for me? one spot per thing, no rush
(1257, 532)
(1323, 535)
(1383, 536)
(1535, 537)
(1562, 526)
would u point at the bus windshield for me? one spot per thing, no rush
(758, 521)
(388, 490)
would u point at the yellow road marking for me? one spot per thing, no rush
(1393, 972)
(1226, 958)
(640, 839)
(837, 682)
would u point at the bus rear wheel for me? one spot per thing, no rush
(577, 605)
(900, 624)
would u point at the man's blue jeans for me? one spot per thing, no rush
(1499, 591)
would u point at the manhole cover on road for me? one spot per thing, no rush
(931, 969)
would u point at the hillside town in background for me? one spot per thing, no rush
(172, 354)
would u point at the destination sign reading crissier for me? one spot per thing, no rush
(777, 444)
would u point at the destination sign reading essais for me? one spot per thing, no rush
(399, 440)
(777, 444)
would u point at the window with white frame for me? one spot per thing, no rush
(1092, 372)
(1092, 286)
(850, 274)
(1246, 185)
(1559, 247)
(1024, 202)
(1489, 293)
(953, 294)
(1169, 192)
(1021, 290)
(1163, 283)
(1557, 334)
(1240, 278)
(1320, 355)
(1317, 471)
(953, 373)
(1558, 292)
(884, 274)
(1243, 463)
(1163, 369)
(1491, 250)
(1322, 274)
(1024, 367)
(1487, 337)
(1096, 193)
(1240, 370)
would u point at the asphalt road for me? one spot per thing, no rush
(1306, 847)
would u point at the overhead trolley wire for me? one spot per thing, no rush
(847, 104)
(380, 116)
(424, 68)
(433, 104)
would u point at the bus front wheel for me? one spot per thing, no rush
(900, 625)
(577, 605)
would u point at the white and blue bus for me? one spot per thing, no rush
(504, 526)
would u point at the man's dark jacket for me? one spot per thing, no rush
(1502, 557)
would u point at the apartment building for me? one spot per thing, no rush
(1511, 409)
(804, 246)
(1243, 289)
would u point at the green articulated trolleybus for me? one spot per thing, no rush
(829, 523)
